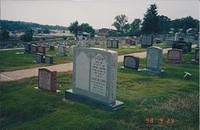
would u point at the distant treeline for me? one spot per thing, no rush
(22, 26)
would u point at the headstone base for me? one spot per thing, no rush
(150, 71)
(57, 91)
(129, 69)
(195, 62)
(83, 99)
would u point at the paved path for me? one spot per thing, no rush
(11, 49)
(27, 73)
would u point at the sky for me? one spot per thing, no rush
(98, 13)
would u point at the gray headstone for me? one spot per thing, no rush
(62, 50)
(146, 41)
(112, 43)
(131, 62)
(154, 59)
(95, 74)
(47, 80)
(48, 59)
(40, 58)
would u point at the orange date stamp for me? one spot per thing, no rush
(161, 121)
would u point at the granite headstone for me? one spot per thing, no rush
(95, 77)
(154, 59)
(47, 80)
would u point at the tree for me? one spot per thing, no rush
(4, 35)
(74, 27)
(46, 31)
(121, 24)
(27, 36)
(150, 21)
(185, 23)
(135, 29)
(85, 27)
(163, 24)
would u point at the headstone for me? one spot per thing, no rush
(42, 49)
(181, 44)
(146, 41)
(62, 50)
(174, 56)
(112, 43)
(48, 59)
(178, 36)
(131, 62)
(95, 77)
(51, 48)
(109, 43)
(34, 48)
(132, 42)
(154, 59)
(197, 55)
(27, 48)
(47, 80)
(40, 58)
(169, 42)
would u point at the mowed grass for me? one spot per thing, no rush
(165, 96)
(15, 59)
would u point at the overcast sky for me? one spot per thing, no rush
(98, 13)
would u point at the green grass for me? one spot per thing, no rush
(165, 96)
(10, 60)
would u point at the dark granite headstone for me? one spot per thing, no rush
(27, 48)
(174, 56)
(181, 44)
(47, 80)
(48, 59)
(131, 62)
(51, 48)
(197, 55)
(112, 43)
(40, 58)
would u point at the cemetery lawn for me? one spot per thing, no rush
(166, 97)
(11, 60)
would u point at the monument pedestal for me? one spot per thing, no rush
(152, 71)
(69, 94)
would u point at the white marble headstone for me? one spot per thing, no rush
(95, 73)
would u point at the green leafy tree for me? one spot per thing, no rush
(85, 27)
(27, 36)
(46, 31)
(4, 35)
(135, 29)
(164, 24)
(185, 23)
(150, 23)
(121, 24)
(74, 28)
